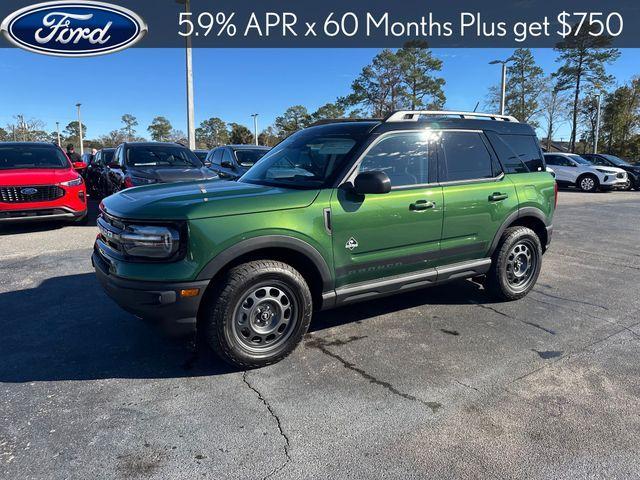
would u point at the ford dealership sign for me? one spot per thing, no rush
(73, 29)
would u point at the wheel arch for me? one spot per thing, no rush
(588, 174)
(529, 217)
(299, 254)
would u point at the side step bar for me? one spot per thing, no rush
(401, 283)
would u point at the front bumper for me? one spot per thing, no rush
(41, 214)
(160, 301)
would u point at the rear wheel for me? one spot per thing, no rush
(516, 264)
(258, 314)
(588, 183)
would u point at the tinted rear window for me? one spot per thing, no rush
(522, 150)
(161, 156)
(465, 157)
(31, 156)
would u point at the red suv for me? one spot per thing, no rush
(38, 182)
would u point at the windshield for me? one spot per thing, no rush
(580, 160)
(166, 156)
(304, 160)
(246, 157)
(201, 154)
(32, 156)
(617, 160)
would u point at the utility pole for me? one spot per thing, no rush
(80, 130)
(597, 132)
(191, 129)
(503, 83)
(255, 127)
(21, 127)
(58, 132)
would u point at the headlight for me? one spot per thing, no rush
(137, 181)
(149, 241)
(72, 183)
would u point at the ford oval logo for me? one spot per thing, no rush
(29, 191)
(73, 29)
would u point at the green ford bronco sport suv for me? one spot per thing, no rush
(337, 213)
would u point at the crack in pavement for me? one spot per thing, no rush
(532, 324)
(321, 344)
(569, 299)
(287, 444)
(465, 385)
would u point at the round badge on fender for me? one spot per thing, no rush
(73, 29)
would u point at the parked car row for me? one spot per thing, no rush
(134, 164)
(593, 172)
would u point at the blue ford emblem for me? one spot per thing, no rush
(29, 191)
(73, 29)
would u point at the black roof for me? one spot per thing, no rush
(150, 144)
(445, 122)
(28, 144)
(248, 146)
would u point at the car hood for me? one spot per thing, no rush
(213, 198)
(169, 175)
(36, 176)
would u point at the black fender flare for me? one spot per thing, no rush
(249, 245)
(521, 212)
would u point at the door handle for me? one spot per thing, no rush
(497, 196)
(421, 205)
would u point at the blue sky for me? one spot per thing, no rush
(229, 83)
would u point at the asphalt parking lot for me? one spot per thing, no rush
(438, 383)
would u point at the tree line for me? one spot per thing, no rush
(409, 78)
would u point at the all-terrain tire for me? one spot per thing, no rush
(251, 304)
(515, 265)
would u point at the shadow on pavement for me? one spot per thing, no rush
(66, 328)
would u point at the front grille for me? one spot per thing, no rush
(27, 193)
(32, 213)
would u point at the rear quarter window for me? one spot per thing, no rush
(518, 153)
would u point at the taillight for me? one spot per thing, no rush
(127, 182)
(555, 193)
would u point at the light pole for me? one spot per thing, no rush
(80, 130)
(503, 85)
(597, 132)
(255, 127)
(191, 131)
(58, 132)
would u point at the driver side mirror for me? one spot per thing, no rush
(372, 182)
(79, 165)
(113, 165)
(226, 164)
(206, 163)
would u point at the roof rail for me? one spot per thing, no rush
(414, 115)
(325, 121)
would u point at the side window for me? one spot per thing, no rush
(464, 157)
(527, 150)
(552, 159)
(216, 158)
(404, 157)
(226, 156)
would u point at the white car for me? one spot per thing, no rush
(572, 169)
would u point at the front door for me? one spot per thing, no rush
(565, 169)
(376, 236)
(478, 197)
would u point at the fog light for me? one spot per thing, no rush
(81, 196)
(189, 292)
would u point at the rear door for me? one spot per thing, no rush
(478, 197)
(376, 236)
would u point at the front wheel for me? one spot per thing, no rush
(516, 264)
(258, 314)
(588, 183)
